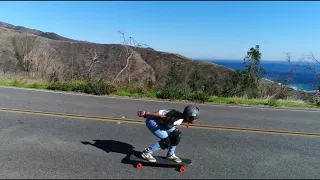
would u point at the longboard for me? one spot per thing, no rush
(160, 160)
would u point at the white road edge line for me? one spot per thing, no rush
(159, 101)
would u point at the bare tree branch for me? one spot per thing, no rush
(313, 68)
(124, 67)
(128, 53)
(93, 62)
(285, 81)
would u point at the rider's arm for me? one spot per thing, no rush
(155, 115)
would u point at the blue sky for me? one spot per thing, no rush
(199, 30)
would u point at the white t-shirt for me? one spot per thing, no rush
(176, 123)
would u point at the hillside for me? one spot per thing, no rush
(43, 55)
(21, 29)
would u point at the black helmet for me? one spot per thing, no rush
(192, 112)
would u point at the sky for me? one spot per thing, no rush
(199, 30)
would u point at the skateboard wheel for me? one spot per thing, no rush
(182, 169)
(139, 165)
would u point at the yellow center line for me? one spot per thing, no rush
(136, 121)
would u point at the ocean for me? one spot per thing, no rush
(302, 78)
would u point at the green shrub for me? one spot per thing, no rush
(95, 87)
(18, 83)
(35, 85)
(78, 86)
(318, 102)
(272, 102)
(140, 89)
(59, 86)
(198, 96)
(171, 93)
(38, 86)
(224, 100)
(180, 94)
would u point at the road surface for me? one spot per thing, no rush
(39, 145)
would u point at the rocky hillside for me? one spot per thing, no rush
(48, 55)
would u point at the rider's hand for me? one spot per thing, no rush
(142, 114)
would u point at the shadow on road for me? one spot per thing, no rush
(115, 147)
(119, 147)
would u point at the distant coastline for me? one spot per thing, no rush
(302, 78)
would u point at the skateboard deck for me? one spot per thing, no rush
(161, 160)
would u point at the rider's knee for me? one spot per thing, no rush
(164, 143)
(175, 137)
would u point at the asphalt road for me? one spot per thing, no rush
(38, 146)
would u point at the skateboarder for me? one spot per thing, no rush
(163, 125)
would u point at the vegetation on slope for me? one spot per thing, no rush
(241, 89)
(134, 70)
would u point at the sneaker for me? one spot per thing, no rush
(148, 156)
(174, 158)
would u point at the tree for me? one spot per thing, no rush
(23, 50)
(314, 68)
(253, 71)
(246, 81)
(197, 80)
(283, 82)
(174, 76)
(81, 66)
